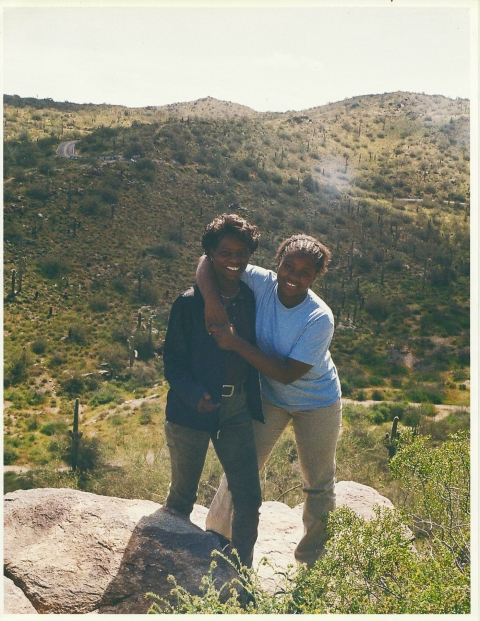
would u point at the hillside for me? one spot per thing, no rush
(382, 180)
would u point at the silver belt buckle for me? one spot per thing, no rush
(232, 390)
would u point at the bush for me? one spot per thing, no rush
(17, 367)
(37, 192)
(371, 568)
(106, 394)
(77, 333)
(73, 384)
(53, 428)
(89, 454)
(39, 346)
(10, 455)
(54, 266)
(165, 250)
(98, 304)
(150, 294)
(377, 307)
(142, 375)
(119, 284)
(310, 184)
(240, 172)
(114, 355)
(432, 475)
(90, 207)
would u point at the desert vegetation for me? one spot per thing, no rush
(98, 246)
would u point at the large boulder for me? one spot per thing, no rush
(75, 552)
(72, 552)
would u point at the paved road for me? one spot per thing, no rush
(66, 149)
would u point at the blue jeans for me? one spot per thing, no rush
(235, 447)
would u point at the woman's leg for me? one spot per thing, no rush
(188, 449)
(316, 434)
(235, 447)
(219, 518)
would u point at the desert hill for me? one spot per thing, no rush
(383, 180)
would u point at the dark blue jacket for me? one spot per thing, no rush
(194, 364)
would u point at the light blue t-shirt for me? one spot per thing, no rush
(303, 333)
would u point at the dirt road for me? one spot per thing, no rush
(66, 149)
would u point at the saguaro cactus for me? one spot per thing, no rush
(391, 439)
(14, 275)
(75, 435)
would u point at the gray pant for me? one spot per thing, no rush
(235, 448)
(316, 435)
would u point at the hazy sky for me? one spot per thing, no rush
(270, 58)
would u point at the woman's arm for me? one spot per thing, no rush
(215, 312)
(281, 370)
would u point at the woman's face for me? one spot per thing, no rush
(295, 275)
(229, 259)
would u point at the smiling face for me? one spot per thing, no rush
(229, 260)
(295, 275)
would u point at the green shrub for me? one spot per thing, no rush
(37, 192)
(39, 346)
(106, 394)
(17, 367)
(437, 480)
(115, 356)
(90, 454)
(98, 304)
(165, 250)
(141, 375)
(10, 455)
(240, 172)
(371, 568)
(77, 333)
(53, 266)
(32, 424)
(150, 293)
(53, 428)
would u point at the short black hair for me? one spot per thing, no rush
(310, 247)
(230, 224)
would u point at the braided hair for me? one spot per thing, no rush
(310, 247)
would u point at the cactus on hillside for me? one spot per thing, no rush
(391, 439)
(75, 435)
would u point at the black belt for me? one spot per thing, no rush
(228, 390)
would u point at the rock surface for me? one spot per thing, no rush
(75, 552)
(68, 551)
(14, 599)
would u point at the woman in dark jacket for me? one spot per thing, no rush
(215, 393)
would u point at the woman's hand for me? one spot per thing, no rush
(206, 404)
(215, 314)
(225, 336)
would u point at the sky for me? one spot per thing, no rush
(270, 58)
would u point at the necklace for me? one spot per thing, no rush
(229, 297)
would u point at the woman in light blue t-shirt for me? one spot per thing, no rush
(294, 328)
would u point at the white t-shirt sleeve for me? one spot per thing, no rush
(312, 346)
(258, 279)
